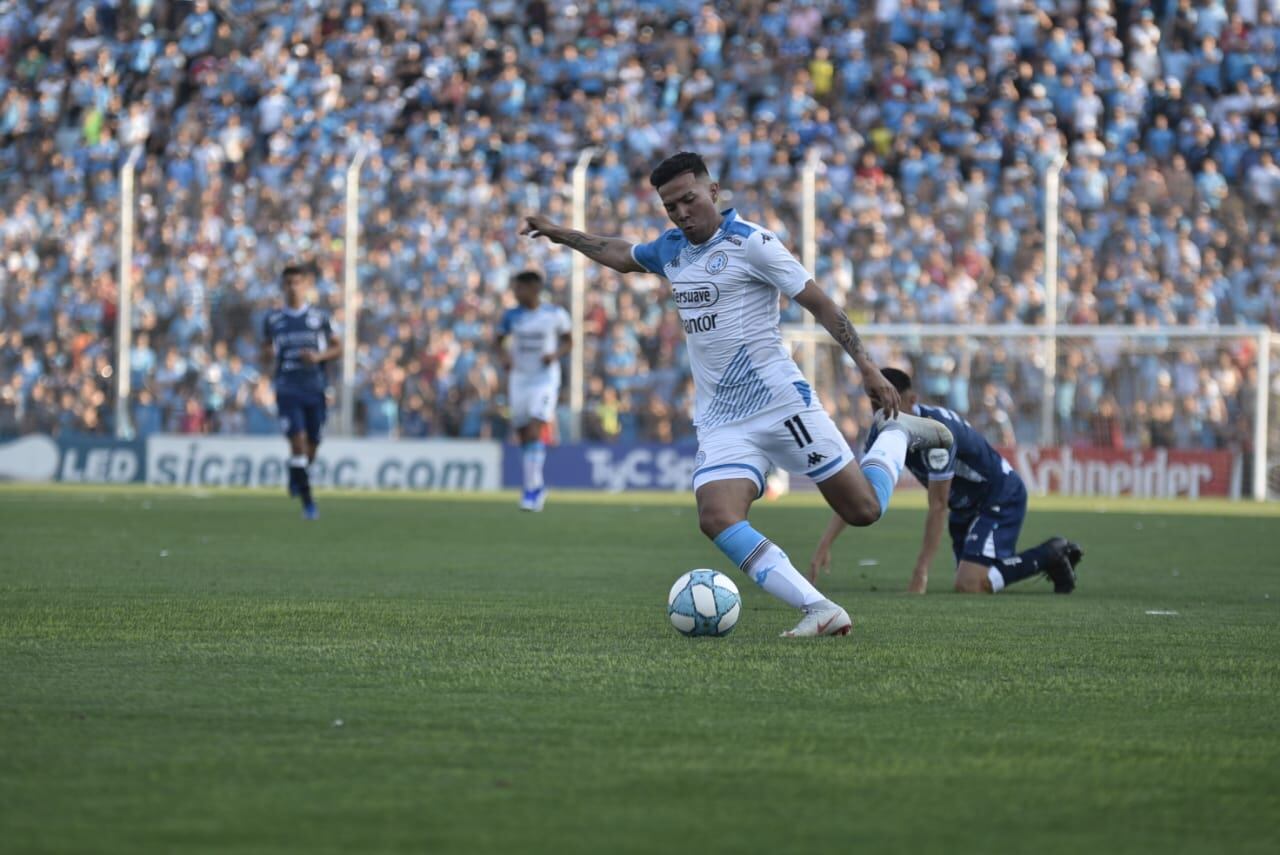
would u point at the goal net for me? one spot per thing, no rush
(1091, 411)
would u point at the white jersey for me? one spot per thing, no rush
(726, 291)
(535, 333)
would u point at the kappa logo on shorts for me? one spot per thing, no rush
(815, 458)
(717, 262)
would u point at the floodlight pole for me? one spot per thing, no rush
(578, 297)
(1052, 183)
(809, 248)
(124, 303)
(350, 289)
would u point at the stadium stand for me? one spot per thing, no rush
(935, 122)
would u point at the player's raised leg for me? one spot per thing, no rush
(722, 516)
(860, 494)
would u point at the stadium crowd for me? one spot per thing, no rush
(935, 123)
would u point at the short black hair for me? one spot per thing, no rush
(898, 378)
(678, 164)
(532, 277)
(296, 268)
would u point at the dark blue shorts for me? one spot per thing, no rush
(991, 532)
(301, 414)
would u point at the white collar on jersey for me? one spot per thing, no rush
(298, 312)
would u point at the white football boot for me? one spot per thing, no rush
(922, 433)
(820, 619)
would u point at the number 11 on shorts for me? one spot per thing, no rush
(798, 431)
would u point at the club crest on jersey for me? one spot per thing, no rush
(696, 295)
(313, 321)
(717, 262)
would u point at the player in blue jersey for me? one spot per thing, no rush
(297, 341)
(987, 502)
(753, 408)
(540, 337)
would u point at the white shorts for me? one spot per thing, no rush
(533, 401)
(803, 441)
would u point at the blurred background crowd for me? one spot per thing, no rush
(935, 122)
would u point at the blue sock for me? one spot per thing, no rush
(767, 565)
(882, 482)
(882, 464)
(738, 541)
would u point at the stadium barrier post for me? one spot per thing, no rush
(1263, 402)
(1052, 182)
(577, 297)
(124, 300)
(350, 287)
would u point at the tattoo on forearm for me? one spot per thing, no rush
(589, 246)
(848, 337)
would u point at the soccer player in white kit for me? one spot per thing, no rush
(753, 407)
(541, 335)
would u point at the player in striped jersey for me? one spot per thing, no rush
(753, 408)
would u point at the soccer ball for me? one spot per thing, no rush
(704, 602)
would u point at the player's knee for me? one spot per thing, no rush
(966, 584)
(713, 520)
(860, 512)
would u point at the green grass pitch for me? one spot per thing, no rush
(205, 672)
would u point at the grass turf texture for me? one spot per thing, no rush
(173, 667)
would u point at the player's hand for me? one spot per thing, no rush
(548, 358)
(309, 356)
(882, 393)
(820, 563)
(538, 226)
(919, 583)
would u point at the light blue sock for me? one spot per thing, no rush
(883, 462)
(767, 565)
(738, 541)
(882, 483)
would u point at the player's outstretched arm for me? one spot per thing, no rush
(832, 317)
(821, 560)
(939, 494)
(611, 252)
